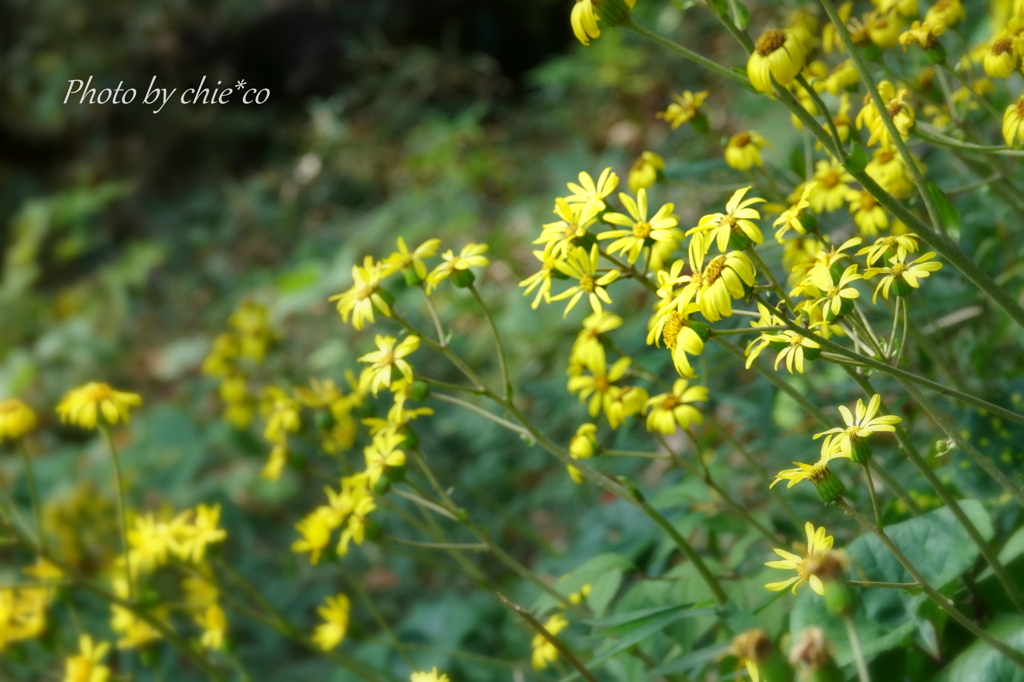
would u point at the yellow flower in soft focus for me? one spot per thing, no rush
(905, 8)
(275, 463)
(899, 110)
(583, 268)
(335, 614)
(790, 218)
(563, 235)
(818, 543)
(281, 412)
(668, 411)
(891, 173)
(901, 277)
(365, 294)
(925, 34)
(859, 425)
(830, 41)
(583, 445)
(581, 594)
(214, 623)
(541, 280)
(623, 403)
(804, 25)
(948, 13)
(133, 632)
(588, 193)
(597, 385)
(403, 258)
(684, 109)
(390, 355)
(831, 190)
(470, 256)
(777, 54)
(1013, 118)
(432, 676)
(382, 454)
(737, 221)
(584, 21)
(645, 170)
(867, 213)
(316, 529)
(843, 77)
(16, 419)
(544, 652)
(588, 342)
(884, 29)
(85, 406)
(202, 532)
(743, 151)
(355, 529)
(1003, 56)
(750, 648)
(892, 245)
(641, 229)
(87, 665)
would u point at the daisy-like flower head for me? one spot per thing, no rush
(681, 335)
(843, 77)
(432, 676)
(641, 229)
(790, 219)
(1003, 56)
(743, 151)
(850, 440)
(214, 623)
(777, 54)
(828, 485)
(282, 414)
(669, 411)
(365, 294)
(751, 648)
(1013, 122)
(623, 403)
(893, 245)
(87, 405)
(563, 234)
(831, 190)
(684, 109)
(737, 221)
(835, 298)
(645, 170)
(592, 194)
(888, 170)
(599, 384)
(869, 216)
(582, 267)
(902, 114)
(335, 613)
(905, 8)
(390, 354)
(87, 665)
(403, 259)
(588, 342)
(901, 277)
(458, 267)
(947, 13)
(818, 543)
(16, 419)
(725, 278)
(797, 348)
(544, 652)
(383, 454)
(925, 34)
(883, 28)
(584, 21)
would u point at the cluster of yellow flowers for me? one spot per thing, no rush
(23, 610)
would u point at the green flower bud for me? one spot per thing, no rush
(901, 287)
(382, 485)
(395, 474)
(936, 54)
(324, 420)
(463, 279)
(419, 391)
(829, 486)
(860, 449)
(412, 278)
(613, 12)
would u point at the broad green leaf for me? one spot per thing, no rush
(981, 663)
(858, 160)
(633, 616)
(602, 572)
(693, 660)
(948, 214)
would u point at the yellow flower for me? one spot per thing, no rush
(902, 277)
(544, 652)
(390, 355)
(281, 412)
(583, 445)
(884, 29)
(948, 13)
(679, 335)
(902, 115)
(835, 298)
(1003, 56)
(355, 529)
(202, 532)
(842, 77)
(869, 216)
(804, 472)
(403, 258)
(86, 405)
(432, 676)
(335, 614)
(588, 342)
(830, 191)
(738, 220)
(797, 348)
(86, 666)
(1013, 118)
(275, 463)
(630, 242)
(316, 529)
(381, 454)
(891, 173)
(623, 403)
(583, 267)
(790, 218)
(16, 419)
(804, 25)
(541, 280)
(818, 544)
(924, 34)
(750, 648)
(584, 21)
(453, 266)
(645, 170)
(668, 411)
(590, 194)
(684, 109)
(743, 151)
(214, 623)
(365, 295)
(830, 41)
(725, 277)
(777, 54)
(892, 245)
(564, 234)
(859, 425)
(599, 383)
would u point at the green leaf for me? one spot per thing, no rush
(741, 15)
(633, 616)
(604, 575)
(693, 660)
(981, 663)
(858, 159)
(948, 214)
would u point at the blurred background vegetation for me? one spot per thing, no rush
(129, 237)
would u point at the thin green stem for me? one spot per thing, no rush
(942, 602)
(984, 102)
(672, 46)
(438, 327)
(543, 631)
(464, 546)
(37, 512)
(874, 497)
(122, 513)
(381, 622)
(893, 586)
(448, 386)
(503, 363)
(858, 655)
(769, 276)
(481, 411)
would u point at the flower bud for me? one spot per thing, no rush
(810, 654)
(419, 391)
(830, 569)
(412, 278)
(463, 279)
(860, 450)
(756, 652)
(613, 12)
(829, 486)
